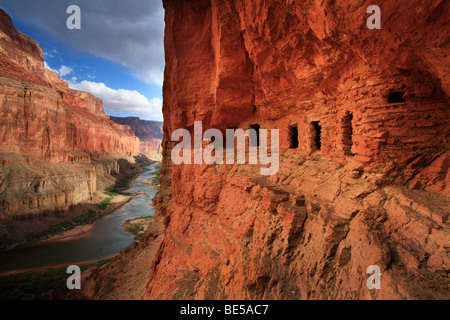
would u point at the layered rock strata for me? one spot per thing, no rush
(364, 138)
(150, 134)
(54, 142)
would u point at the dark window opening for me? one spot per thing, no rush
(293, 137)
(396, 97)
(256, 128)
(347, 139)
(317, 134)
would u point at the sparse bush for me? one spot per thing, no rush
(104, 204)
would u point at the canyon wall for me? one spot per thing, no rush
(150, 134)
(32, 190)
(54, 142)
(41, 117)
(370, 188)
(364, 154)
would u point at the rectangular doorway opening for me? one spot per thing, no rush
(293, 137)
(256, 128)
(317, 131)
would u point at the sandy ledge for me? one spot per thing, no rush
(72, 234)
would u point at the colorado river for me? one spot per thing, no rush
(106, 239)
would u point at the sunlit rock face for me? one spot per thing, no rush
(43, 121)
(364, 125)
(363, 179)
(232, 64)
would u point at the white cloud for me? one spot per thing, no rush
(48, 54)
(48, 67)
(64, 71)
(128, 101)
(128, 32)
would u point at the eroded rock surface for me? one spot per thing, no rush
(56, 144)
(371, 189)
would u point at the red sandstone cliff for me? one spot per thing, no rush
(42, 121)
(41, 116)
(150, 134)
(377, 191)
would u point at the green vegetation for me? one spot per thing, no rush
(156, 176)
(137, 226)
(34, 285)
(86, 218)
(105, 203)
(110, 192)
(121, 185)
(117, 189)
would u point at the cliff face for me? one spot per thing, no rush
(363, 177)
(19, 47)
(43, 122)
(43, 118)
(150, 134)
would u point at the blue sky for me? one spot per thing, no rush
(117, 55)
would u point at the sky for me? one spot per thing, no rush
(117, 55)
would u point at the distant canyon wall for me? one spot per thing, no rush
(43, 118)
(32, 190)
(150, 134)
(43, 122)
